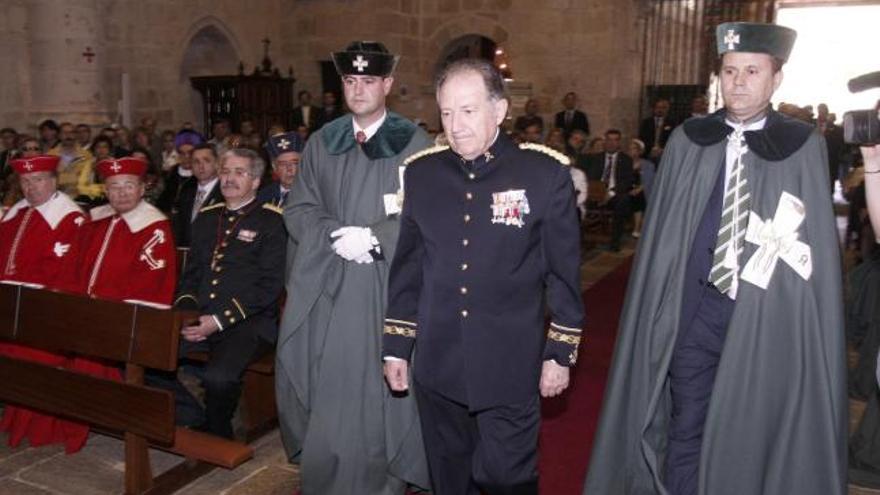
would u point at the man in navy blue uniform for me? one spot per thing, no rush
(486, 230)
(233, 279)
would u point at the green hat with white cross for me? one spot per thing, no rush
(755, 37)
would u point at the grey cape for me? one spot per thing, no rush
(777, 417)
(337, 417)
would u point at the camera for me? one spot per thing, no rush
(862, 127)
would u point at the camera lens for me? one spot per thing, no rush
(861, 127)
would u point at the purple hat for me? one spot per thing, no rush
(187, 136)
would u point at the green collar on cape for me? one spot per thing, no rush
(391, 138)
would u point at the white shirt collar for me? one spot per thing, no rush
(371, 129)
(207, 188)
(752, 126)
(184, 172)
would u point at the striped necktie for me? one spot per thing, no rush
(734, 220)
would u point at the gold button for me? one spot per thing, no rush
(231, 219)
(220, 256)
(467, 218)
(464, 313)
(471, 176)
(469, 196)
(228, 231)
(463, 290)
(464, 266)
(215, 282)
(212, 295)
(232, 320)
(227, 313)
(218, 269)
(465, 242)
(224, 244)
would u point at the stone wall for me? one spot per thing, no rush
(555, 46)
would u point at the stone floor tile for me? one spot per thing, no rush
(14, 487)
(271, 480)
(78, 474)
(14, 460)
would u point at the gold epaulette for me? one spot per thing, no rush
(425, 152)
(547, 151)
(211, 207)
(271, 207)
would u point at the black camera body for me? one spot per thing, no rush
(862, 127)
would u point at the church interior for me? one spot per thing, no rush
(142, 71)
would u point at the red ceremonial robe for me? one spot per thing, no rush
(129, 257)
(38, 246)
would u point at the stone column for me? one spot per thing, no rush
(65, 80)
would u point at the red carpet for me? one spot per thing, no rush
(569, 422)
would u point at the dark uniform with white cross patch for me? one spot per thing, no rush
(235, 272)
(481, 243)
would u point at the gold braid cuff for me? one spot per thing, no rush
(399, 330)
(561, 337)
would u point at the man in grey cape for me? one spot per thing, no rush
(338, 419)
(728, 374)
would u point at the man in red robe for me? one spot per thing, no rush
(128, 251)
(38, 246)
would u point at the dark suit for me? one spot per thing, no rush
(578, 120)
(174, 183)
(239, 284)
(594, 165)
(705, 315)
(181, 212)
(271, 193)
(481, 243)
(298, 118)
(648, 134)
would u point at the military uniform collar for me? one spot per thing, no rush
(780, 137)
(243, 208)
(488, 161)
(390, 139)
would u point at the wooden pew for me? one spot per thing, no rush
(138, 336)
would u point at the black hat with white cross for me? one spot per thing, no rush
(365, 58)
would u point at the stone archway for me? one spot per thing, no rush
(467, 46)
(463, 28)
(211, 50)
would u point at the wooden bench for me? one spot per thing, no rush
(138, 336)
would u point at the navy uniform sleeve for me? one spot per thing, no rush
(404, 284)
(188, 286)
(560, 241)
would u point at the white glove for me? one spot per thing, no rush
(352, 242)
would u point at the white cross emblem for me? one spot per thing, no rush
(359, 63)
(28, 166)
(115, 167)
(731, 39)
(283, 144)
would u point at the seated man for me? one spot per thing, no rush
(39, 236)
(233, 278)
(128, 251)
